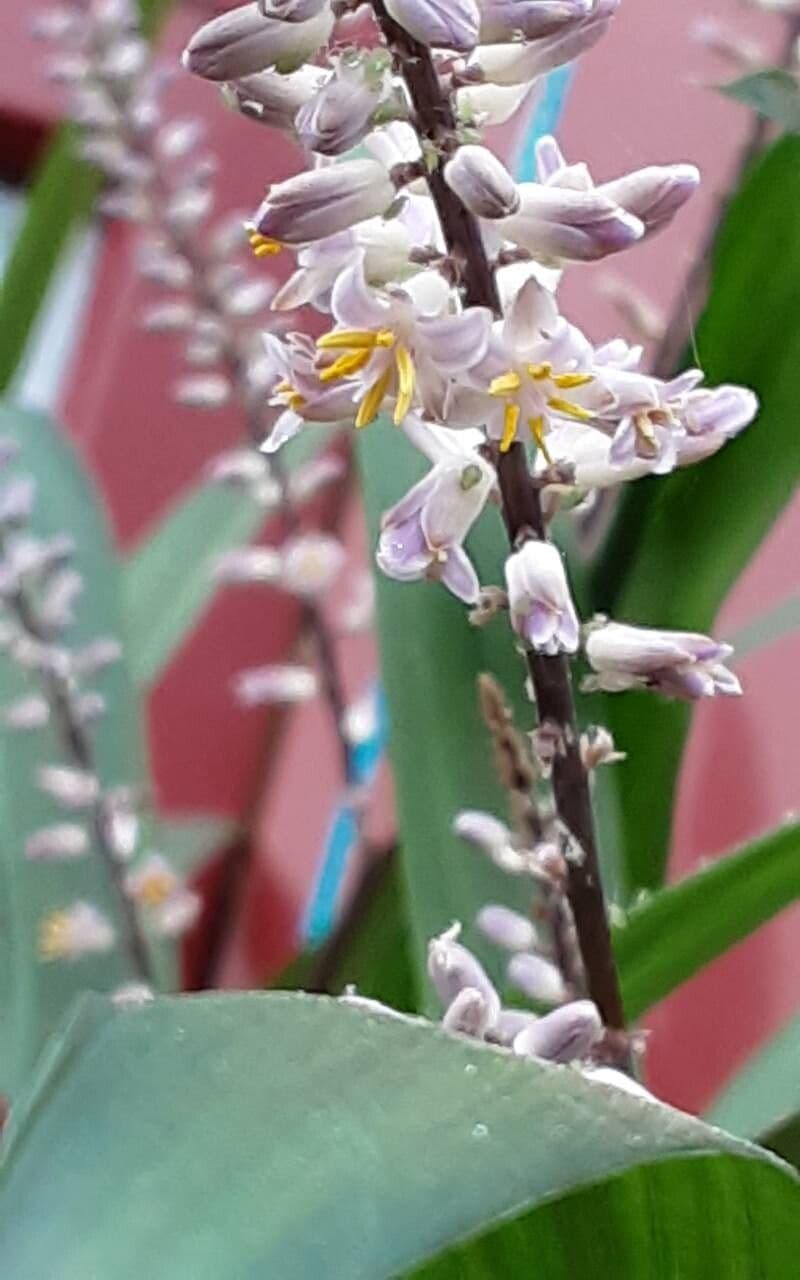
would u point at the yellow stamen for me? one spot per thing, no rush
(360, 339)
(510, 424)
(346, 364)
(264, 246)
(537, 431)
(155, 889)
(406, 380)
(296, 401)
(372, 401)
(539, 372)
(54, 936)
(283, 387)
(570, 409)
(506, 384)
(566, 381)
(645, 430)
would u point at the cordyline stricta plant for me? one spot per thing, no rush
(437, 275)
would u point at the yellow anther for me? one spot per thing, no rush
(406, 380)
(54, 936)
(263, 246)
(155, 889)
(346, 364)
(283, 387)
(357, 339)
(645, 431)
(372, 401)
(537, 431)
(510, 425)
(506, 384)
(296, 401)
(566, 381)
(570, 409)
(540, 372)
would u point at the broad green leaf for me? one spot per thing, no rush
(440, 750)
(289, 1136)
(776, 624)
(33, 995)
(774, 94)
(676, 931)
(190, 840)
(688, 537)
(763, 1099)
(168, 580)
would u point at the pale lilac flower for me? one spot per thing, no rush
(422, 535)
(512, 20)
(71, 788)
(536, 978)
(274, 99)
(652, 195)
(74, 932)
(566, 1035)
(171, 907)
(242, 42)
(339, 114)
(60, 843)
(404, 345)
(384, 246)
(448, 24)
(295, 388)
(248, 564)
(509, 1025)
(506, 928)
(468, 1014)
(322, 202)
(562, 224)
(452, 968)
(679, 664)
(278, 683)
(493, 838)
(482, 182)
(310, 563)
(542, 612)
(32, 712)
(524, 61)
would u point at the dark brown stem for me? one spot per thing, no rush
(523, 517)
(77, 743)
(689, 306)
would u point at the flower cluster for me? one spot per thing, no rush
(39, 590)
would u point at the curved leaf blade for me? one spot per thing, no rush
(763, 1099)
(679, 930)
(689, 536)
(360, 1147)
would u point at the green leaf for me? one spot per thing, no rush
(440, 750)
(689, 536)
(289, 1136)
(33, 995)
(677, 931)
(774, 94)
(167, 579)
(776, 624)
(763, 1099)
(190, 840)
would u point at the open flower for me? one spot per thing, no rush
(679, 664)
(76, 931)
(538, 369)
(422, 535)
(295, 388)
(171, 907)
(542, 612)
(400, 345)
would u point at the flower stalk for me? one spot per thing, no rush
(550, 675)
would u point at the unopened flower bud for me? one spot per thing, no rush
(482, 182)
(451, 968)
(243, 42)
(521, 62)
(597, 747)
(27, 713)
(248, 564)
(340, 113)
(275, 684)
(536, 978)
(96, 656)
(506, 928)
(679, 664)
(445, 24)
(542, 612)
(493, 838)
(16, 501)
(508, 20)
(77, 931)
(322, 202)
(566, 1035)
(468, 1015)
(655, 194)
(510, 1024)
(274, 99)
(71, 788)
(573, 225)
(60, 843)
(311, 563)
(210, 391)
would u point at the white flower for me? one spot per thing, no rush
(422, 535)
(60, 843)
(76, 931)
(452, 968)
(171, 907)
(321, 202)
(402, 345)
(243, 41)
(278, 683)
(310, 563)
(542, 612)
(679, 664)
(339, 114)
